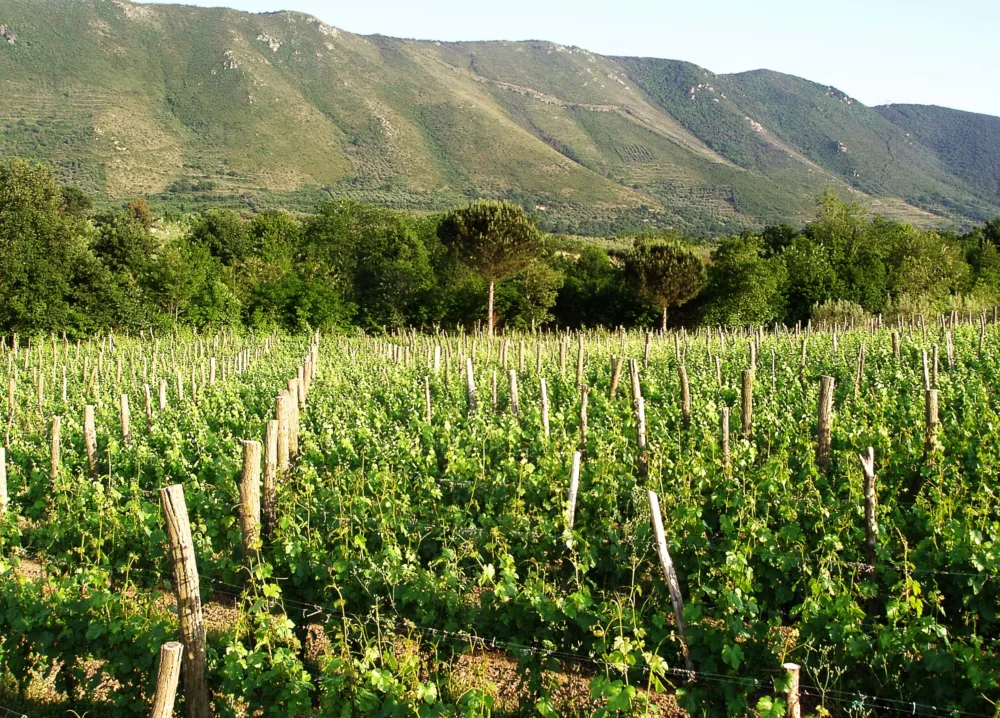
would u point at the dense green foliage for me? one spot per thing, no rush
(354, 265)
(412, 561)
(208, 107)
(665, 273)
(968, 144)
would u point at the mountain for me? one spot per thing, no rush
(194, 106)
(966, 143)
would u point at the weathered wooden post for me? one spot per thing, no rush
(166, 680)
(269, 488)
(746, 405)
(636, 385)
(470, 386)
(861, 369)
(515, 404)
(824, 423)
(584, 394)
(794, 706)
(149, 405)
(90, 437)
(685, 396)
(54, 449)
(931, 443)
(293, 417)
(670, 576)
(726, 454)
(616, 371)
(871, 519)
(574, 488)
(281, 416)
(579, 360)
(640, 425)
(493, 392)
(250, 501)
(188, 601)
(3, 482)
(544, 399)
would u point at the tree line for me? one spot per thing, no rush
(66, 267)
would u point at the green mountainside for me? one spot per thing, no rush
(193, 106)
(966, 143)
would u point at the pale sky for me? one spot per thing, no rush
(937, 52)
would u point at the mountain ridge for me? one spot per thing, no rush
(195, 106)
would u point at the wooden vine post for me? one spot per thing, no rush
(685, 396)
(794, 709)
(54, 451)
(250, 501)
(616, 371)
(149, 406)
(584, 394)
(871, 519)
(746, 405)
(544, 399)
(3, 482)
(90, 437)
(933, 423)
(824, 423)
(727, 461)
(640, 425)
(470, 386)
(574, 489)
(515, 404)
(670, 575)
(166, 679)
(861, 369)
(188, 601)
(294, 391)
(493, 392)
(281, 416)
(269, 488)
(636, 386)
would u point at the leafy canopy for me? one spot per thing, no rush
(497, 239)
(664, 272)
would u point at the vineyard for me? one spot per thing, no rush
(794, 521)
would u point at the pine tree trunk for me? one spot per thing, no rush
(489, 310)
(664, 326)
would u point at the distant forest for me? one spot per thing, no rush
(348, 265)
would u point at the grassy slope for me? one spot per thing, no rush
(280, 109)
(966, 143)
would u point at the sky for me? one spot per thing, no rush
(877, 51)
